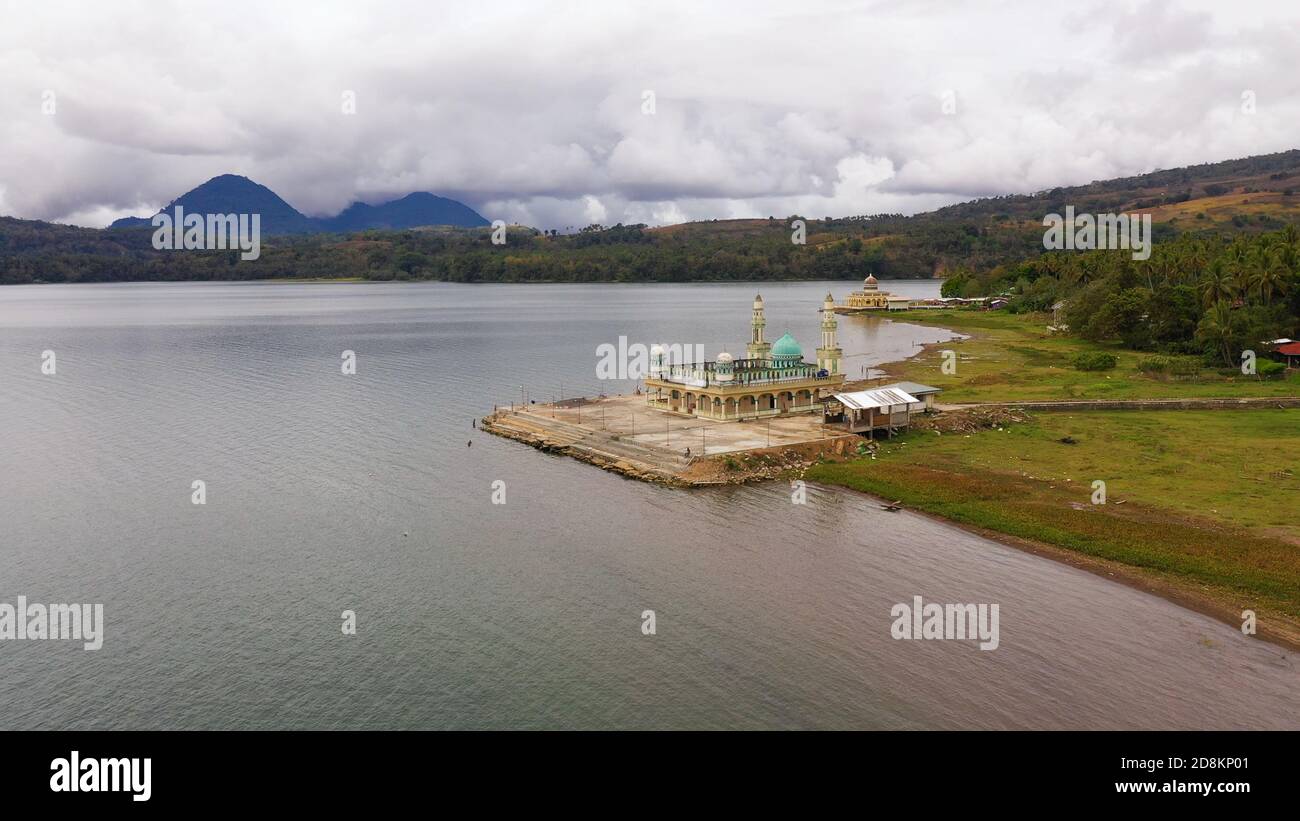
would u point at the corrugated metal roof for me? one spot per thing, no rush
(877, 398)
(914, 388)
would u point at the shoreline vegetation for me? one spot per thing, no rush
(977, 244)
(1199, 505)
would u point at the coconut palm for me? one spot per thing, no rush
(1193, 261)
(1290, 235)
(1217, 285)
(1288, 256)
(1217, 326)
(1269, 276)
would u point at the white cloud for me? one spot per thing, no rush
(595, 212)
(532, 112)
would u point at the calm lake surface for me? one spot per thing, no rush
(329, 492)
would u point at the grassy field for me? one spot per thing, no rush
(1203, 501)
(1206, 498)
(1223, 208)
(1013, 357)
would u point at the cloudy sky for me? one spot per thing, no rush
(537, 112)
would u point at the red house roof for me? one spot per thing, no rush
(1289, 349)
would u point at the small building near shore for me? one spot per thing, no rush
(870, 298)
(1291, 350)
(887, 409)
(925, 394)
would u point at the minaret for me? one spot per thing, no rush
(757, 348)
(828, 355)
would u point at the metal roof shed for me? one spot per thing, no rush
(877, 409)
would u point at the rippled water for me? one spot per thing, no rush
(328, 492)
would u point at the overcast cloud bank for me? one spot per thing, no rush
(536, 113)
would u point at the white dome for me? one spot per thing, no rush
(724, 357)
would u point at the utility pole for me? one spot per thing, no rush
(704, 449)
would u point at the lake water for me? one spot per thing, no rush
(328, 492)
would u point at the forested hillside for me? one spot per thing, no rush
(1207, 204)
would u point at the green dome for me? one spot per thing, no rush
(787, 347)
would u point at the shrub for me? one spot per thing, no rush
(1094, 361)
(1268, 368)
(1155, 365)
(1169, 365)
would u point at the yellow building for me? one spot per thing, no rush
(871, 298)
(772, 380)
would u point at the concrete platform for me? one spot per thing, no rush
(620, 433)
(628, 418)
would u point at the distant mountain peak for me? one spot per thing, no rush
(236, 194)
(415, 209)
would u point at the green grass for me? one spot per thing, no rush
(1210, 499)
(1012, 357)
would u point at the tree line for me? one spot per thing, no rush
(1209, 295)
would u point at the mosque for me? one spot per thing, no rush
(871, 298)
(772, 380)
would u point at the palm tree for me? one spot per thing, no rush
(1217, 326)
(1193, 261)
(1239, 253)
(1077, 271)
(1245, 261)
(1216, 285)
(1164, 264)
(1269, 276)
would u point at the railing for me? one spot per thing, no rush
(741, 383)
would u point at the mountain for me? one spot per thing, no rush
(1210, 205)
(413, 210)
(232, 194)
